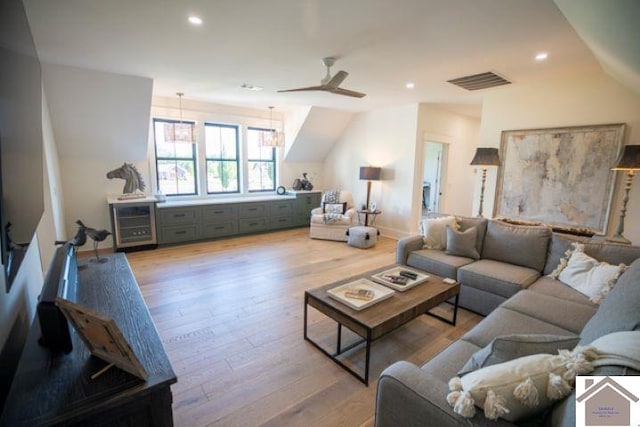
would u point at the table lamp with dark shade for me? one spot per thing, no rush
(369, 173)
(485, 157)
(629, 160)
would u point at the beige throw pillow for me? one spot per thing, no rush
(587, 275)
(434, 231)
(522, 387)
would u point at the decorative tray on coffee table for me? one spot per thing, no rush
(379, 293)
(393, 279)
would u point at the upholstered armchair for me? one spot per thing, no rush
(332, 220)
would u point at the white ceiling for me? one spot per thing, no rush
(279, 44)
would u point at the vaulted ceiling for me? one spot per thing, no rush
(279, 44)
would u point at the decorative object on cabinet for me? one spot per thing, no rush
(133, 179)
(302, 184)
(559, 176)
(369, 173)
(485, 157)
(306, 185)
(629, 161)
(281, 190)
(78, 240)
(97, 236)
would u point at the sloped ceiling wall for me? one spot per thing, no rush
(98, 115)
(612, 31)
(317, 134)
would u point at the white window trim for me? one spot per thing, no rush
(200, 117)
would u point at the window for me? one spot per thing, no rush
(221, 156)
(175, 163)
(261, 162)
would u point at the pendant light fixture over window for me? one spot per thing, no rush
(271, 137)
(180, 132)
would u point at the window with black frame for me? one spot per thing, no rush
(261, 161)
(175, 161)
(221, 157)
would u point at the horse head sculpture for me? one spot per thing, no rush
(128, 172)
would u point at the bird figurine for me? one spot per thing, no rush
(78, 240)
(97, 236)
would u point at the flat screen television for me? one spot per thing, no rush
(21, 145)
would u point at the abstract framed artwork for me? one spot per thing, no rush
(559, 176)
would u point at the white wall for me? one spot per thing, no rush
(595, 99)
(385, 138)
(393, 139)
(99, 120)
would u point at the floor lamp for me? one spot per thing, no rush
(369, 173)
(485, 157)
(628, 161)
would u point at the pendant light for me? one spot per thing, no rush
(271, 138)
(180, 132)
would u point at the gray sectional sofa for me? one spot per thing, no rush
(509, 285)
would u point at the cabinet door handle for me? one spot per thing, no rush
(253, 209)
(220, 228)
(181, 232)
(218, 212)
(178, 215)
(282, 220)
(253, 224)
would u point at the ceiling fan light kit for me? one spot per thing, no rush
(329, 83)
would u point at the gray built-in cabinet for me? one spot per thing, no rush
(184, 223)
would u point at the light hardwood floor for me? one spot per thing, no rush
(230, 313)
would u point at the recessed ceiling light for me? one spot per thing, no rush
(410, 85)
(195, 20)
(249, 86)
(542, 56)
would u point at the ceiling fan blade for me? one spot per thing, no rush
(347, 92)
(302, 89)
(336, 80)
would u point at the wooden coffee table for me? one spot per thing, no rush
(381, 318)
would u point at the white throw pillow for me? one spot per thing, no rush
(589, 276)
(521, 387)
(434, 231)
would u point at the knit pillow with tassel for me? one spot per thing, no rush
(521, 387)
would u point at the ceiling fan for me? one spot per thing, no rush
(330, 84)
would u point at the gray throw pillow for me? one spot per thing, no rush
(523, 245)
(509, 347)
(462, 243)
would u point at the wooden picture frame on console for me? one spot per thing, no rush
(103, 338)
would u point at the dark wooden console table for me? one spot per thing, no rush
(57, 389)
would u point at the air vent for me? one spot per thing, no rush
(480, 81)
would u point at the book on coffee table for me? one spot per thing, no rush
(360, 294)
(400, 278)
